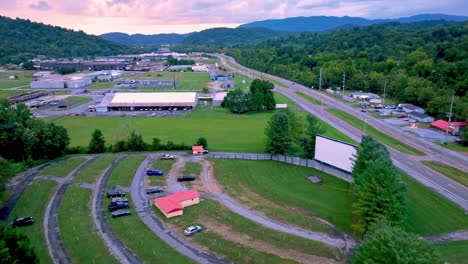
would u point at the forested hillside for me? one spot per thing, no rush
(22, 39)
(144, 40)
(423, 67)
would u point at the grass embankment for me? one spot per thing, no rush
(282, 191)
(134, 233)
(101, 85)
(165, 166)
(33, 203)
(123, 174)
(454, 252)
(375, 133)
(62, 168)
(282, 99)
(6, 93)
(24, 78)
(224, 131)
(235, 237)
(449, 171)
(309, 98)
(91, 172)
(455, 147)
(188, 81)
(77, 229)
(74, 102)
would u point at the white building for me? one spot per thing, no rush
(62, 81)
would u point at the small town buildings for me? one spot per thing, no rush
(219, 98)
(420, 117)
(174, 204)
(454, 128)
(228, 85)
(364, 96)
(199, 68)
(197, 150)
(62, 81)
(219, 75)
(408, 108)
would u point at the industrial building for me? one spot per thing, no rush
(147, 101)
(62, 81)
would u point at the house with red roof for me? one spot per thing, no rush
(197, 150)
(454, 128)
(174, 204)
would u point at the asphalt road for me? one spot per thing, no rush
(410, 164)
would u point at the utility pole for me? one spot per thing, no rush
(384, 88)
(320, 80)
(344, 81)
(173, 81)
(449, 119)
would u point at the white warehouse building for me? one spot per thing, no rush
(59, 81)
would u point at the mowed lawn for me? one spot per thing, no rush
(62, 168)
(33, 203)
(454, 252)
(286, 185)
(6, 93)
(188, 81)
(165, 166)
(123, 174)
(91, 172)
(79, 235)
(223, 130)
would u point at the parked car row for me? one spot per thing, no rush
(119, 205)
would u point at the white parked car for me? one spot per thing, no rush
(192, 230)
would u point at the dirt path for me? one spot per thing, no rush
(246, 240)
(210, 186)
(171, 179)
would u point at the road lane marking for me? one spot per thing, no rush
(451, 186)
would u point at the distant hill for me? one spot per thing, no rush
(144, 40)
(21, 39)
(325, 23)
(231, 36)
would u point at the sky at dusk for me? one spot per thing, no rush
(182, 16)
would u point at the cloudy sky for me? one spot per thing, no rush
(181, 16)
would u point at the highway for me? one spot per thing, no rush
(410, 164)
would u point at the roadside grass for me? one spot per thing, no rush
(91, 172)
(277, 184)
(101, 85)
(123, 174)
(188, 81)
(454, 252)
(75, 100)
(141, 240)
(6, 93)
(165, 166)
(213, 212)
(377, 134)
(282, 99)
(455, 147)
(223, 130)
(34, 203)
(62, 168)
(238, 81)
(309, 98)
(449, 171)
(77, 229)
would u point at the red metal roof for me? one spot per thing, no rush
(167, 204)
(197, 148)
(459, 124)
(171, 202)
(442, 124)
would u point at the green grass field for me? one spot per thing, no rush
(141, 240)
(123, 174)
(6, 93)
(224, 131)
(33, 203)
(309, 98)
(62, 168)
(454, 252)
(377, 134)
(282, 99)
(15, 83)
(449, 171)
(79, 235)
(91, 172)
(101, 85)
(189, 81)
(192, 168)
(286, 186)
(165, 166)
(212, 212)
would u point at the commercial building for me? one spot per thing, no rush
(173, 205)
(454, 128)
(147, 101)
(420, 117)
(62, 81)
(408, 108)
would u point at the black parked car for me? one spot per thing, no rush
(120, 213)
(154, 190)
(22, 221)
(118, 206)
(186, 178)
(115, 194)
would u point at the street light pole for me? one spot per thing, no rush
(320, 81)
(449, 119)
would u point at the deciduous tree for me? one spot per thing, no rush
(97, 144)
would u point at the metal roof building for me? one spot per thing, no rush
(148, 101)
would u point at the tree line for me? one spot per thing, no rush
(423, 65)
(259, 98)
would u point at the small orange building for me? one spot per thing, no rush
(197, 150)
(173, 205)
